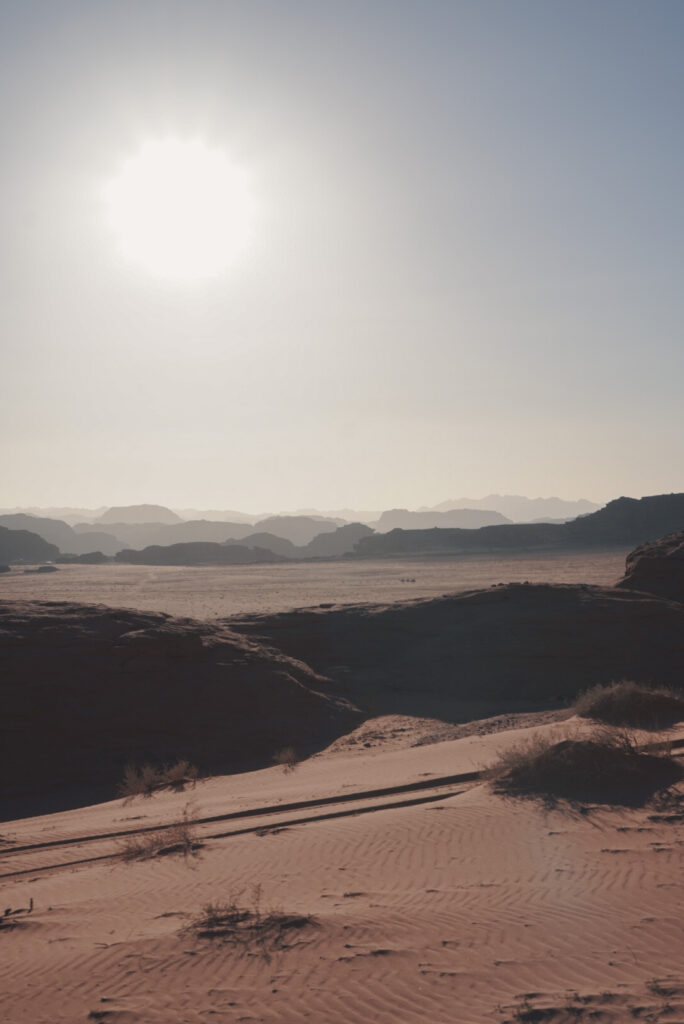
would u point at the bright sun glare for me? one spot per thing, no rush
(180, 209)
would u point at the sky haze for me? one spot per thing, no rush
(460, 271)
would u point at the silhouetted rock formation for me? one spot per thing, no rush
(141, 535)
(622, 522)
(339, 542)
(512, 647)
(86, 690)
(520, 509)
(197, 554)
(298, 529)
(520, 537)
(269, 541)
(630, 520)
(64, 536)
(89, 558)
(333, 544)
(24, 546)
(657, 568)
(139, 514)
(463, 518)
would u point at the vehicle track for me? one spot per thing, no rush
(270, 819)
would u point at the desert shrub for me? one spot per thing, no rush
(178, 838)
(149, 779)
(287, 758)
(246, 923)
(632, 704)
(607, 768)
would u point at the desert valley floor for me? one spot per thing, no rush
(207, 592)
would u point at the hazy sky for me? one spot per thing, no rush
(463, 271)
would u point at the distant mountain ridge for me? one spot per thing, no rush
(623, 522)
(520, 509)
(139, 514)
(460, 518)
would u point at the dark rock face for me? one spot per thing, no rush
(657, 568)
(512, 647)
(200, 553)
(630, 520)
(85, 690)
(24, 546)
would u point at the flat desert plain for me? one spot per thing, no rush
(379, 881)
(207, 592)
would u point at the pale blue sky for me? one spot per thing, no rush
(465, 273)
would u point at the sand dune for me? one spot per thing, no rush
(469, 908)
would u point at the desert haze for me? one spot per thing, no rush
(290, 732)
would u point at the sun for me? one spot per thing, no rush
(180, 209)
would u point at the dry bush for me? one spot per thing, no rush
(248, 924)
(178, 838)
(606, 768)
(287, 758)
(632, 704)
(148, 780)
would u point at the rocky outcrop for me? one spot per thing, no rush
(85, 690)
(630, 521)
(198, 554)
(512, 647)
(657, 568)
(25, 546)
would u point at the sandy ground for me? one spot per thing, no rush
(421, 896)
(213, 592)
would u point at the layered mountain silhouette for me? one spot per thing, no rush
(463, 518)
(520, 509)
(623, 522)
(59, 533)
(257, 547)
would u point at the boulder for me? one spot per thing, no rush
(657, 568)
